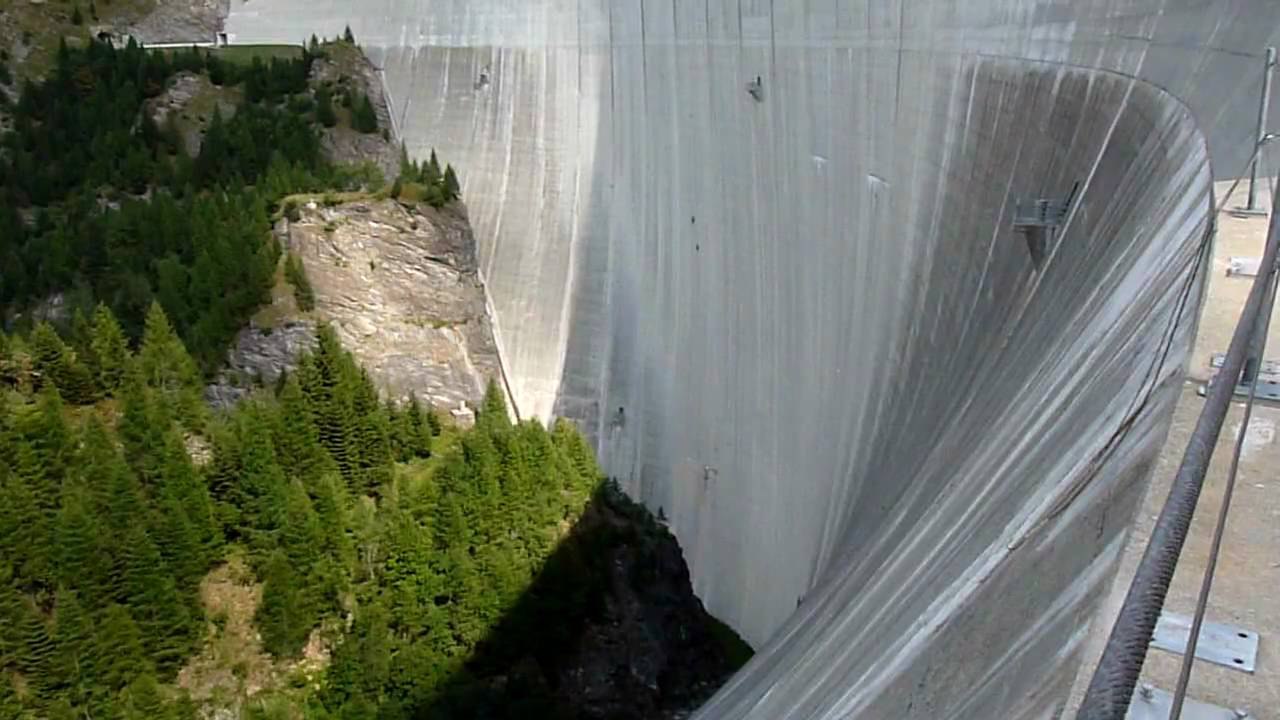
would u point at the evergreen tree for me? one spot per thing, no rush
(452, 189)
(297, 444)
(285, 617)
(51, 439)
(166, 366)
(493, 413)
(110, 350)
(73, 637)
(80, 559)
(138, 427)
(10, 705)
(364, 118)
(348, 36)
(143, 699)
(57, 365)
(418, 428)
(154, 601)
(36, 656)
(260, 495)
(325, 114)
(431, 171)
(12, 643)
(118, 646)
(296, 274)
(24, 519)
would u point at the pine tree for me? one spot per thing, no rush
(332, 567)
(79, 337)
(166, 366)
(433, 422)
(301, 537)
(284, 617)
(261, 494)
(51, 439)
(98, 460)
(12, 642)
(37, 654)
(493, 413)
(73, 636)
(296, 274)
(10, 705)
(110, 350)
(348, 36)
(57, 365)
(364, 118)
(372, 441)
(134, 426)
(452, 189)
(418, 428)
(24, 523)
(154, 601)
(180, 545)
(181, 487)
(80, 559)
(143, 699)
(297, 444)
(431, 171)
(119, 649)
(324, 107)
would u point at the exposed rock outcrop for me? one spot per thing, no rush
(610, 630)
(180, 21)
(345, 69)
(399, 285)
(188, 101)
(650, 654)
(259, 356)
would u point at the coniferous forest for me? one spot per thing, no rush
(437, 572)
(108, 524)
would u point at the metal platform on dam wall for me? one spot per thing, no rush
(900, 457)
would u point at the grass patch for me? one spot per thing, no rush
(34, 29)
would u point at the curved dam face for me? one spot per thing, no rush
(900, 455)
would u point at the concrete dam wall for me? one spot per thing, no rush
(900, 456)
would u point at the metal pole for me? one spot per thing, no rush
(1206, 584)
(1252, 207)
(1111, 687)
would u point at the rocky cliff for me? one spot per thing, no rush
(399, 285)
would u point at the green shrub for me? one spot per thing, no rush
(296, 274)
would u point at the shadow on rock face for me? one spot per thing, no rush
(609, 630)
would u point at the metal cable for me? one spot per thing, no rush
(1111, 687)
(1206, 585)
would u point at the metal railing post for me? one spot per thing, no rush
(1251, 208)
